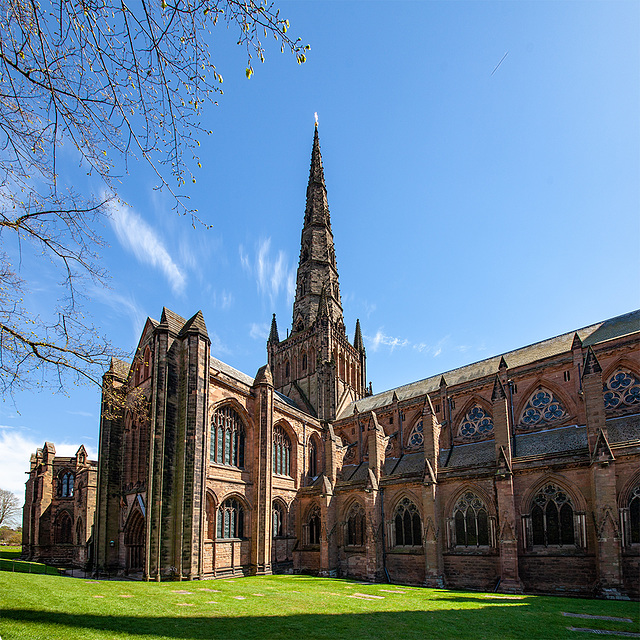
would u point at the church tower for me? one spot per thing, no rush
(316, 365)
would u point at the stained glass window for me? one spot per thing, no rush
(227, 438)
(622, 390)
(230, 519)
(552, 517)
(634, 516)
(408, 527)
(542, 409)
(471, 521)
(476, 424)
(281, 452)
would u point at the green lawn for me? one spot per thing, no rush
(10, 561)
(291, 607)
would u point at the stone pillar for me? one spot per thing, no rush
(432, 535)
(261, 527)
(507, 539)
(372, 499)
(603, 483)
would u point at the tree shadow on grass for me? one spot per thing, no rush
(494, 622)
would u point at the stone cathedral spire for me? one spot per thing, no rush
(317, 269)
(316, 365)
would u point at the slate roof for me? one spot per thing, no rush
(119, 367)
(228, 370)
(594, 334)
(625, 429)
(196, 323)
(558, 440)
(172, 320)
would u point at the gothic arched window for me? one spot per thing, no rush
(542, 409)
(231, 519)
(552, 517)
(64, 528)
(227, 438)
(356, 526)
(278, 520)
(65, 485)
(313, 525)
(471, 521)
(621, 390)
(416, 437)
(281, 452)
(286, 370)
(476, 424)
(210, 514)
(634, 516)
(313, 458)
(408, 527)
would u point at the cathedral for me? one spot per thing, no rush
(518, 473)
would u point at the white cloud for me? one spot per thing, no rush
(273, 274)
(140, 239)
(259, 331)
(124, 305)
(16, 451)
(217, 346)
(382, 339)
(223, 300)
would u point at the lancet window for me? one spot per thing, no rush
(621, 390)
(356, 526)
(227, 438)
(65, 485)
(477, 423)
(631, 518)
(542, 409)
(231, 519)
(313, 525)
(278, 520)
(407, 524)
(313, 458)
(281, 452)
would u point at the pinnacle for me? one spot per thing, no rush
(358, 343)
(273, 334)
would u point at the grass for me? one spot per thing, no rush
(10, 561)
(291, 607)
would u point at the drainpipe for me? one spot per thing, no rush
(513, 426)
(384, 545)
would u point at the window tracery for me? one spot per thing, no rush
(622, 389)
(356, 526)
(542, 409)
(408, 527)
(313, 525)
(471, 521)
(231, 519)
(634, 516)
(281, 452)
(278, 520)
(477, 423)
(416, 437)
(227, 438)
(552, 517)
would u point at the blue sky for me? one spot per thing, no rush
(475, 209)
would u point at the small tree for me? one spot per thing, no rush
(9, 508)
(116, 82)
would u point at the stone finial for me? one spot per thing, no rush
(274, 338)
(358, 343)
(443, 382)
(503, 363)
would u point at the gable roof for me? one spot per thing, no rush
(591, 335)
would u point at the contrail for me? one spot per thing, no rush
(499, 63)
